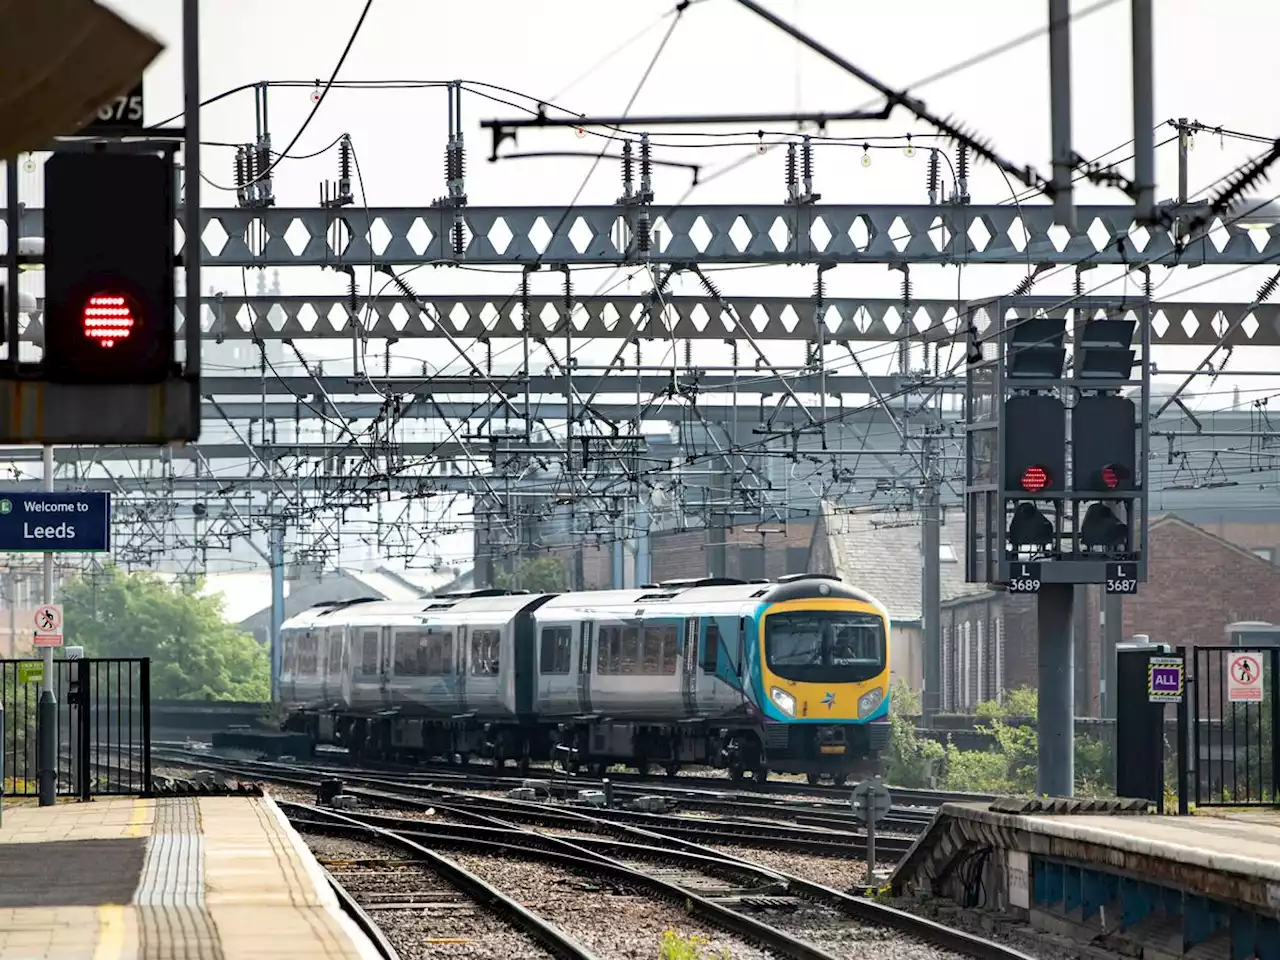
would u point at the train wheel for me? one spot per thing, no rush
(736, 771)
(760, 774)
(839, 779)
(672, 769)
(812, 778)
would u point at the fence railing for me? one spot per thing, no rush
(1231, 760)
(103, 729)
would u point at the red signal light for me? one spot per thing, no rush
(107, 319)
(1035, 479)
(1110, 477)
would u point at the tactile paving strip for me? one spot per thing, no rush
(173, 871)
(177, 933)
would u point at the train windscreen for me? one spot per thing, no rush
(825, 646)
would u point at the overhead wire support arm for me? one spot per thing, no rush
(894, 98)
(506, 129)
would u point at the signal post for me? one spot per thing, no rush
(111, 373)
(1055, 474)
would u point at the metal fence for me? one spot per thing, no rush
(1232, 757)
(103, 728)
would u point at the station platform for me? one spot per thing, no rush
(1108, 873)
(182, 878)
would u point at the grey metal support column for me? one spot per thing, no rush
(644, 566)
(1083, 661)
(9, 309)
(1184, 143)
(193, 246)
(1144, 136)
(1060, 110)
(718, 495)
(618, 555)
(1055, 722)
(276, 548)
(931, 594)
(1112, 634)
(47, 712)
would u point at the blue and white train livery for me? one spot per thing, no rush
(791, 676)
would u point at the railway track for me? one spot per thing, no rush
(383, 791)
(759, 911)
(708, 779)
(818, 812)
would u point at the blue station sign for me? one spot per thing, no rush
(61, 522)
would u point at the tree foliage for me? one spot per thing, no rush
(1008, 766)
(538, 575)
(195, 654)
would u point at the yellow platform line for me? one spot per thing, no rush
(138, 819)
(111, 931)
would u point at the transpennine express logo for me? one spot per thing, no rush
(829, 700)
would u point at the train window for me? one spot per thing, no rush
(711, 650)
(608, 650)
(556, 652)
(289, 652)
(484, 652)
(629, 658)
(334, 664)
(308, 646)
(436, 650)
(660, 649)
(369, 652)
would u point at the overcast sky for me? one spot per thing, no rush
(1211, 65)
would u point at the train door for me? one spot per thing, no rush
(460, 671)
(348, 641)
(557, 689)
(585, 644)
(384, 667)
(689, 667)
(525, 642)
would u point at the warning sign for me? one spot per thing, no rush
(1244, 678)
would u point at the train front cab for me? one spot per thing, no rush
(823, 652)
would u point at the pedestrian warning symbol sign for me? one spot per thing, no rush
(1244, 677)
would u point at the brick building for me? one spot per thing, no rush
(881, 553)
(758, 551)
(1199, 582)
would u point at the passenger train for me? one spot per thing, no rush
(790, 676)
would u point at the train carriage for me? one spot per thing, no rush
(789, 676)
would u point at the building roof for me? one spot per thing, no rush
(1222, 543)
(880, 553)
(246, 594)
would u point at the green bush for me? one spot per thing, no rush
(913, 759)
(1007, 767)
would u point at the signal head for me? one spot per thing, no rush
(107, 318)
(1034, 479)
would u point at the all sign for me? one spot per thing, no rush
(1244, 678)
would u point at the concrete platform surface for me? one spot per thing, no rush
(1246, 843)
(208, 878)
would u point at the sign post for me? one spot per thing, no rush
(1244, 677)
(1122, 578)
(871, 799)
(48, 624)
(1025, 578)
(49, 523)
(1165, 680)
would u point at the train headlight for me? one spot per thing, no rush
(783, 701)
(869, 702)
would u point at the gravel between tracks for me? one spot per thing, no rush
(842, 937)
(835, 872)
(616, 926)
(423, 931)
